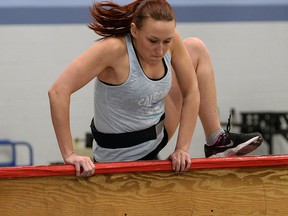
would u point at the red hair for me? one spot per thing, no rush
(111, 19)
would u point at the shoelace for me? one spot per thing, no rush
(222, 138)
(225, 136)
(228, 124)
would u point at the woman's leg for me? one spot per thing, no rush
(221, 143)
(208, 110)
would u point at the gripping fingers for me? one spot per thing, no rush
(83, 165)
(78, 169)
(88, 169)
(188, 164)
(180, 162)
(176, 163)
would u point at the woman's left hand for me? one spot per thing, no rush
(181, 160)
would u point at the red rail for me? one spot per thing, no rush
(144, 166)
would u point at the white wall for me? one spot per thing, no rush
(250, 62)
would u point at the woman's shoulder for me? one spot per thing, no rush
(114, 45)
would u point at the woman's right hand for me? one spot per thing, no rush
(88, 167)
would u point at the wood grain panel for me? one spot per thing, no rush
(230, 191)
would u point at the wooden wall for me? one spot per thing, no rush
(235, 186)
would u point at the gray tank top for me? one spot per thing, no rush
(135, 105)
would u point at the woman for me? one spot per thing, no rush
(132, 67)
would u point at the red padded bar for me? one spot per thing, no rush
(145, 166)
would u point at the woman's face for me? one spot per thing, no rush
(153, 40)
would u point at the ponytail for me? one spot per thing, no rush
(112, 19)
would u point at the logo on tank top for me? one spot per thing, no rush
(152, 104)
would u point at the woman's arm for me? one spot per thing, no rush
(78, 73)
(186, 76)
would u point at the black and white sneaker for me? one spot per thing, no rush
(232, 144)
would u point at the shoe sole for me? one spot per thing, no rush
(241, 149)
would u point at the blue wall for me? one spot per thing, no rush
(77, 11)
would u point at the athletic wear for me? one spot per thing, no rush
(135, 105)
(232, 144)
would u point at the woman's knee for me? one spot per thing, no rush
(196, 49)
(194, 43)
(198, 52)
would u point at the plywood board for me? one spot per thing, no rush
(246, 190)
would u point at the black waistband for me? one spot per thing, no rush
(124, 140)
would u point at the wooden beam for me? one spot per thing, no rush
(223, 186)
